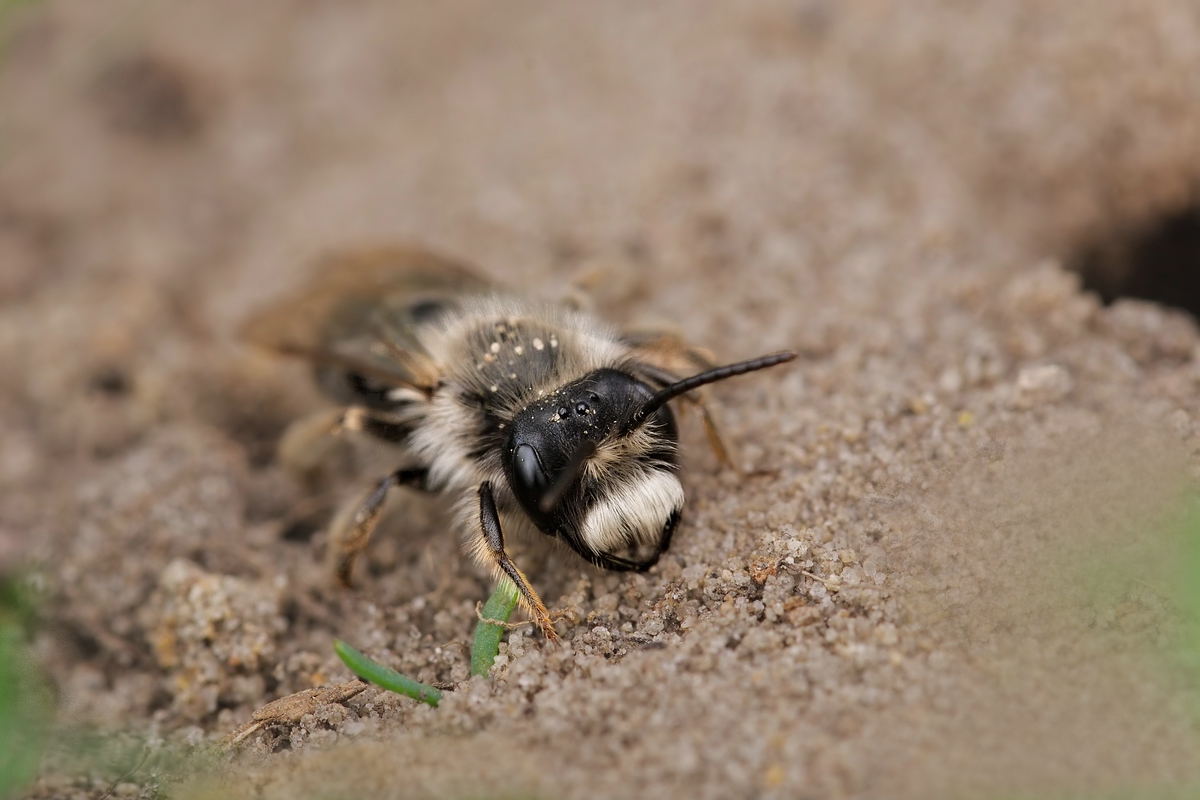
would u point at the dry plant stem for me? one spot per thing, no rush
(380, 675)
(291, 709)
(128, 773)
(827, 583)
(491, 626)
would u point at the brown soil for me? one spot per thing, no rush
(939, 575)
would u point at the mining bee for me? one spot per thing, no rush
(531, 416)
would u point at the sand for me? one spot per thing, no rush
(946, 566)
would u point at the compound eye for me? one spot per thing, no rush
(528, 475)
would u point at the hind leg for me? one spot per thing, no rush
(311, 451)
(312, 447)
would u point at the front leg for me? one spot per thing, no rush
(493, 546)
(348, 535)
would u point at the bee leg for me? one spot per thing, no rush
(348, 537)
(661, 377)
(376, 424)
(715, 441)
(493, 546)
(310, 452)
(311, 448)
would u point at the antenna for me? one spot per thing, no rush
(669, 393)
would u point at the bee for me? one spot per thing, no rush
(530, 416)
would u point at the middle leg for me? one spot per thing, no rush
(348, 537)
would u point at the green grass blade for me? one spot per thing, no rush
(26, 702)
(380, 675)
(1188, 589)
(499, 607)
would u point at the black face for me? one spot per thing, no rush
(546, 438)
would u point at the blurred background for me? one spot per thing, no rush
(940, 204)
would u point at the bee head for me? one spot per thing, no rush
(585, 471)
(595, 462)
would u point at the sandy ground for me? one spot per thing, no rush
(945, 573)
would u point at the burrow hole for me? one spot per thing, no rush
(1157, 260)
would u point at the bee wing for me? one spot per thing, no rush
(361, 313)
(666, 350)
